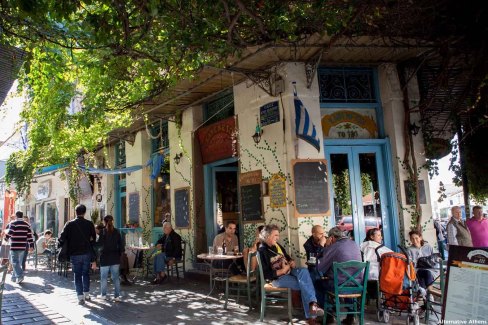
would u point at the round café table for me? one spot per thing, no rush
(218, 274)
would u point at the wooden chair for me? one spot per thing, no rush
(270, 293)
(178, 265)
(436, 290)
(351, 288)
(246, 282)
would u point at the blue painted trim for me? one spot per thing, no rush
(50, 168)
(391, 182)
(386, 183)
(209, 188)
(379, 107)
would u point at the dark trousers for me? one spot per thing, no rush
(425, 278)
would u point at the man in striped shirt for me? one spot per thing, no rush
(20, 235)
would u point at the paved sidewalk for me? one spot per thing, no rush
(46, 298)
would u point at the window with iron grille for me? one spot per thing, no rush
(159, 136)
(219, 109)
(347, 85)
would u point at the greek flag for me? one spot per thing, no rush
(304, 128)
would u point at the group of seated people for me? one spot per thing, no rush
(281, 270)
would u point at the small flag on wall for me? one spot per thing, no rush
(304, 127)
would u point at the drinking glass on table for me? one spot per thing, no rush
(236, 250)
(210, 250)
(312, 259)
(220, 251)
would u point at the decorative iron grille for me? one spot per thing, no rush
(346, 86)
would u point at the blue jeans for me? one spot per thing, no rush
(16, 258)
(114, 271)
(81, 270)
(299, 279)
(318, 284)
(159, 263)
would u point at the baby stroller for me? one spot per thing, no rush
(398, 287)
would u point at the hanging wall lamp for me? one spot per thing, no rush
(177, 158)
(259, 131)
(414, 128)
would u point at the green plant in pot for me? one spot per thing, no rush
(94, 216)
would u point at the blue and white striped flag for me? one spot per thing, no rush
(304, 128)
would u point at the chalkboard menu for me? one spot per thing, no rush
(311, 187)
(134, 208)
(251, 207)
(269, 113)
(182, 208)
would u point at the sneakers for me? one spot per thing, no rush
(87, 296)
(81, 300)
(118, 299)
(20, 280)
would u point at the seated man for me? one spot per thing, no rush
(170, 250)
(315, 246)
(338, 249)
(230, 239)
(43, 242)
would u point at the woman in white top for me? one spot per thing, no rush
(373, 240)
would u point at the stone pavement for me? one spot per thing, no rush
(47, 298)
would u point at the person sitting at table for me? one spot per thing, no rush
(315, 245)
(43, 243)
(231, 241)
(280, 270)
(372, 244)
(252, 249)
(338, 248)
(421, 248)
(169, 247)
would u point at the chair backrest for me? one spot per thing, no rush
(250, 273)
(351, 272)
(442, 277)
(261, 274)
(183, 250)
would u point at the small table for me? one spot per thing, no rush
(223, 275)
(135, 250)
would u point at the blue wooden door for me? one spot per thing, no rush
(360, 193)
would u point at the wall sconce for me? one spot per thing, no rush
(160, 179)
(167, 186)
(177, 158)
(99, 185)
(414, 128)
(259, 131)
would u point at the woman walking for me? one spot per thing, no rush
(111, 248)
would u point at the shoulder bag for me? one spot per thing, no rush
(429, 262)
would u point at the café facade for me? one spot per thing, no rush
(293, 137)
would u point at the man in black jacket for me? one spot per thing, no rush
(80, 235)
(170, 246)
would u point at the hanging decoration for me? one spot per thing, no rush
(304, 127)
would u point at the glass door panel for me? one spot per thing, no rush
(343, 209)
(358, 189)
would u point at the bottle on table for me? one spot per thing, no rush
(224, 248)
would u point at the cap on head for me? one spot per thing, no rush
(19, 214)
(336, 232)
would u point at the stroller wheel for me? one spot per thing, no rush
(413, 320)
(383, 316)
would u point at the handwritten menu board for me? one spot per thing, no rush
(269, 113)
(250, 188)
(277, 191)
(134, 207)
(182, 208)
(311, 187)
(465, 298)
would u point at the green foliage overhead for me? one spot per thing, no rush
(108, 57)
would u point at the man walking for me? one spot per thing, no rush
(80, 235)
(457, 232)
(20, 235)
